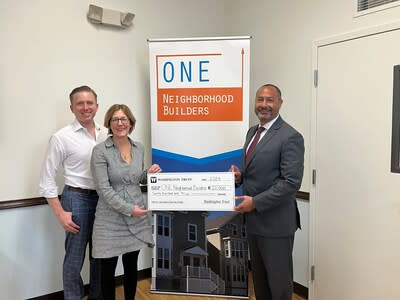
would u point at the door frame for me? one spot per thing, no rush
(318, 43)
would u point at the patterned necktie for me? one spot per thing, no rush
(254, 142)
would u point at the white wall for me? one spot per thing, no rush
(47, 48)
(283, 33)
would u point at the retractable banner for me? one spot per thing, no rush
(199, 118)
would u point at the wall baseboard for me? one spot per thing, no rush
(146, 273)
(300, 290)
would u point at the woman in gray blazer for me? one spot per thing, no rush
(122, 225)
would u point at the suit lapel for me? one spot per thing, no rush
(264, 140)
(249, 136)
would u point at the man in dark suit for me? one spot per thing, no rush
(271, 175)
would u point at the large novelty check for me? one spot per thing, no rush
(191, 191)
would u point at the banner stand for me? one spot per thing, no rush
(199, 117)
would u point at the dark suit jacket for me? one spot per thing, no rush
(272, 176)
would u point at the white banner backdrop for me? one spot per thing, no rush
(199, 118)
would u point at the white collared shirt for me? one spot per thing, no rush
(266, 126)
(72, 148)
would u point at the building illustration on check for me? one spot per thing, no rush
(200, 253)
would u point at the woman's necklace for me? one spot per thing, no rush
(126, 155)
(125, 151)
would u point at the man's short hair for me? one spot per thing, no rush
(83, 88)
(274, 86)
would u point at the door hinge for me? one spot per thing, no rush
(315, 78)
(312, 271)
(314, 176)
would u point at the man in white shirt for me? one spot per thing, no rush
(72, 147)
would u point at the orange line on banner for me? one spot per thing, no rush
(193, 54)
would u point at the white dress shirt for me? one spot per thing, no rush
(72, 148)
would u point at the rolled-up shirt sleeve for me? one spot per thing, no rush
(52, 161)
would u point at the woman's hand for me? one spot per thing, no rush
(154, 169)
(138, 211)
(236, 172)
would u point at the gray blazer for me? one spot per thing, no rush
(115, 231)
(272, 176)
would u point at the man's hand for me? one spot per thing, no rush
(236, 173)
(65, 219)
(246, 204)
